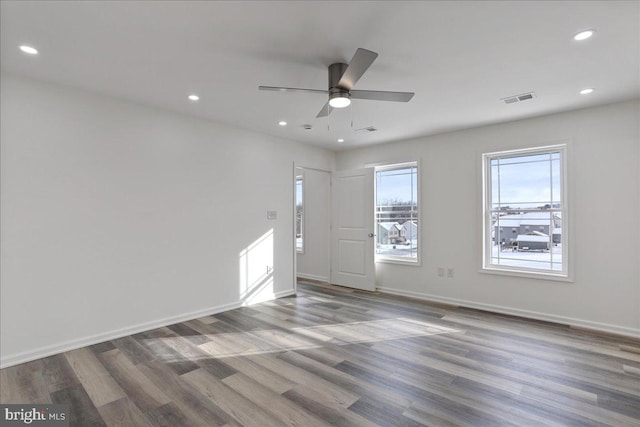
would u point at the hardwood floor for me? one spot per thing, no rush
(333, 356)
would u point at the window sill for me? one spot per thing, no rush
(554, 277)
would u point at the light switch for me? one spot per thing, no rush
(272, 215)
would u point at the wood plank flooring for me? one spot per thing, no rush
(335, 356)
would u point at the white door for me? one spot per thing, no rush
(352, 236)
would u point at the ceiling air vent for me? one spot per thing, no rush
(518, 98)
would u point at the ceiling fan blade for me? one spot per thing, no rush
(360, 62)
(380, 95)
(326, 110)
(291, 89)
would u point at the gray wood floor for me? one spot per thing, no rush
(332, 356)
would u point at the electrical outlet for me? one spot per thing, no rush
(440, 271)
(271, 215)
(450, 273)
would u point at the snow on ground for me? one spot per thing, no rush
(400, 250)
(545, 260)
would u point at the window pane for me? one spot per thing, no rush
(556, 183)
(397, 213)
(524, 183)
(495, 184)
(527, 158)
(299, 213)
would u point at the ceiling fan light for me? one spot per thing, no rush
(339, 100)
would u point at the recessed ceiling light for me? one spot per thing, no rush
(586, 91)
(282, 123)
(341, 140)
(583, 35)
(194, 97)
(28, 49)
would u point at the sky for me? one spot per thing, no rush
(526, 182)
(397, 184)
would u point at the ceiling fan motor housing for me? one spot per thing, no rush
(335, 74)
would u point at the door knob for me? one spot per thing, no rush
(371, 234)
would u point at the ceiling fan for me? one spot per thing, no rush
(342, 78)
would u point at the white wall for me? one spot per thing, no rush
(118, 217)
(604, 181)
(314, 262)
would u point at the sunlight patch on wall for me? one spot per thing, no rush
(256, 271)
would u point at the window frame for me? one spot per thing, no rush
(378, 258)
(486, 266)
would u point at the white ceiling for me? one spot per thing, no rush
(460, 58)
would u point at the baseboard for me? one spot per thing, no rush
(283, 294)
(570, 321)
(313, 277)
(50, 350)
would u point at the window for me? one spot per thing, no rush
(525, 192)
(397, 221)
(299, 211)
